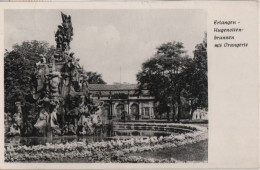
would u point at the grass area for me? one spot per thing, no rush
(197, 152)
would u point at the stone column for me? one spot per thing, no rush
(152, 112)
(113, 109)
(140, 110)
(126, 108)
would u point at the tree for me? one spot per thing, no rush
(200, 59)
(18, 68)
(176, 80)
(95, 78)
(162, 76)
(196, 75)
(30, 49)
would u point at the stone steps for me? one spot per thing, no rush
(149, 129)
(149, 125)
(140, 133)
(156, 129)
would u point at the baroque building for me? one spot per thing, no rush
(123, 99)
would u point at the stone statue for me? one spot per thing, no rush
(55, 77)
(54, 122)
(42, 61)
(17, 121)
(67, 24)
(41, 71)
(85, 84)
(64, 33)
(96, 116)
(65, 129)
(89, 119)
(88, 125)
(42, 122)
(71, 56)
(7, 121)
(80, 82)
(57, 57)
(71, 129)
(59, 37)
(76, 63)
(82, 131)
(18, 115)
(54, 83)
(14, 130)
(58, 88)
(65, 83)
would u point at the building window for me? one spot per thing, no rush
(119, 109)
(134, 109)
(146, 111)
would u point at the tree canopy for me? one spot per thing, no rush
(95, 78)
(196, 74)
(19, 64)
(175, 79)
(18, 69)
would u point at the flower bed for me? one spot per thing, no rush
(106, 151)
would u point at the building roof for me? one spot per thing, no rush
(108, 87)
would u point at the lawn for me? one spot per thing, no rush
(197, 152)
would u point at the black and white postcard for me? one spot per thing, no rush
(129, 85)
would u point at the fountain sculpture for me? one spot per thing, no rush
(61, 92)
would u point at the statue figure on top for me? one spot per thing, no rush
(59, 37)
(67, 24)
(63, 35)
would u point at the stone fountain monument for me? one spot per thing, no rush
(60, 92)
(61, 89)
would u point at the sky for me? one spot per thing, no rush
(106, 39)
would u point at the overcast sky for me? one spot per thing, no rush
(104, 40)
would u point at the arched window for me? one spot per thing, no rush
(135, 111)
(119, 109)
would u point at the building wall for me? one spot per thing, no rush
(136, 107)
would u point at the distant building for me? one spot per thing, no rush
(125, 98)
